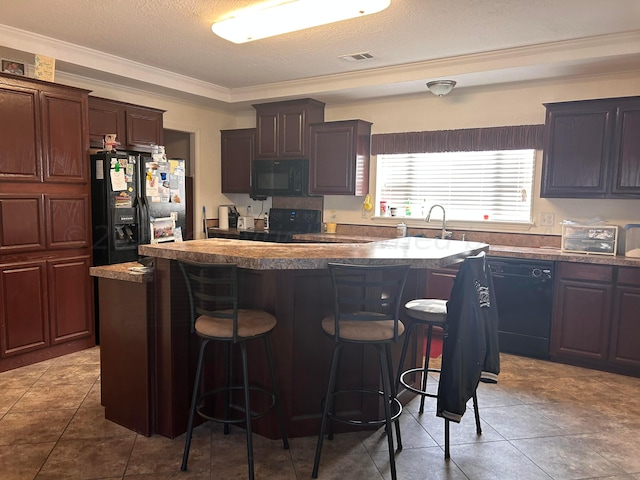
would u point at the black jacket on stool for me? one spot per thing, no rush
(470, 352)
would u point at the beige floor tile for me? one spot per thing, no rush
(160, 455)
(89, 422)
(88, 459)
(33, 427)
(8, 398)
(496, 461)
(44, 397)
(567, 458)
(419, 464)
(67, 374)
(22, 462)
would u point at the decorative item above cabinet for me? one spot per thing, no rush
(283, 128)
(592, 149)
(137, 128)
(339, 154)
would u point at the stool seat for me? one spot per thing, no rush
(370, 331)
(430, 310)
(251, 323)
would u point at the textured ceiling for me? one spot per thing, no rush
(475, 42)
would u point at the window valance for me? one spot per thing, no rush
(464, 140)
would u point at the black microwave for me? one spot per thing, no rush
(280, 178)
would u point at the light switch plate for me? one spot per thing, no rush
(547, 219)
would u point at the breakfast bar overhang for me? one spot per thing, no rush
(292, 282)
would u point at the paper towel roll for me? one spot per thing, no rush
(223, 217)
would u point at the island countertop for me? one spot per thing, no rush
(419, 252)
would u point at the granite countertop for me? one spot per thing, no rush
(123, 271)
(419, 252)
(535, 253)
(550, 253)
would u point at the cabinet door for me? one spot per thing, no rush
(238, 149)
(626, 150)
(105, 117)
(581, 321)
(625, 322)
(21, 223)
(339, 158)
(283, 128)
(20, 154)
(70, 298)
(64, 137)
(577, 150)
(68, 220)
(144, 128)
(23, 310)
(267, 132)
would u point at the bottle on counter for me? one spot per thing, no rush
(266, 220)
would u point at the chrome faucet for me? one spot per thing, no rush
(444, 233)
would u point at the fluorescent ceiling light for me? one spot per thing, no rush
(277, 17)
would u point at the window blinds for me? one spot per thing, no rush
(471, 186)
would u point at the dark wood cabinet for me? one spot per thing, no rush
(137, 128)
(591, 149)
(283, 128)
(45, 222)
(237, 152)
(595, 317)
(626, 150)
(20, 133)
(625, 320)
(339, 154)
(582, 312)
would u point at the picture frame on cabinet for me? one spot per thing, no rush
(13, 67)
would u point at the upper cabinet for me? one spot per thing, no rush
(592, 149)
(43, 131)
(283, 128)
(339, 158)
(137, 128)
(237, 152)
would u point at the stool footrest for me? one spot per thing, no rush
(395, 405)
(410, 387)
(201, 410)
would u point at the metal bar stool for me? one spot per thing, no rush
(366, 311)
(215, 316)
(462, 307)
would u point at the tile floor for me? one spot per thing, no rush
(541, 421)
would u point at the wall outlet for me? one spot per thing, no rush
(547, 219)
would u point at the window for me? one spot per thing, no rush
(471, 186)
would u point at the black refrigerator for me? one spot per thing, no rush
(135, 199)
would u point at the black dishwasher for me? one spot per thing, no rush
(524, 291)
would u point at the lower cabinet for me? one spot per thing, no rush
(595, 317)
(46, 304)
(625, 320)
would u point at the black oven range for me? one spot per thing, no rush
(284, 223)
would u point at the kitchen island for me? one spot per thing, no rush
(292, 282)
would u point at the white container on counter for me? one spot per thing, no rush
(632, 240)
(401, 230)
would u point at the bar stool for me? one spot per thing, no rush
(366, 308)
(464, 306)
(215, 316)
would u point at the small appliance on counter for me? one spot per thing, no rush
(227, 217)
(245, 223)
(632, 240)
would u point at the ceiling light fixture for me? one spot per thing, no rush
(441, 87)
(277, 17)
